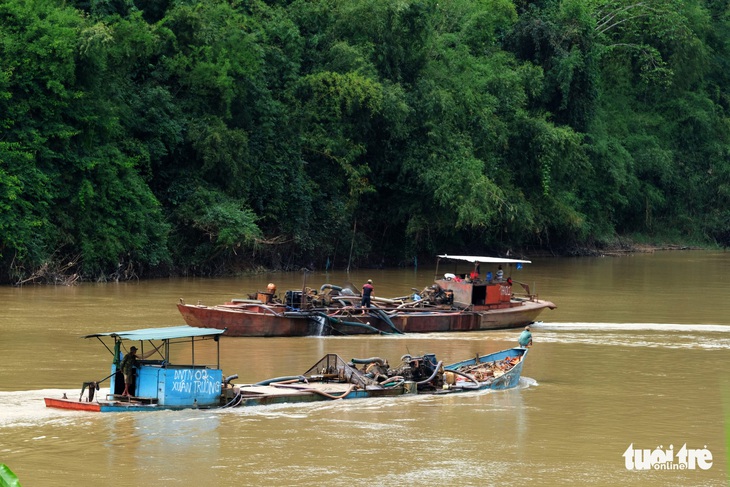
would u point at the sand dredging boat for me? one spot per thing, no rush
(333, 378)
(158, 383)
(456, 301)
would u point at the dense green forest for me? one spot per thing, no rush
(141, 138)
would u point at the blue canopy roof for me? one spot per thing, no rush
(167, 333)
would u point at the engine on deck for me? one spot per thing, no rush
(426, 370)
(419, 369)
(433, 294)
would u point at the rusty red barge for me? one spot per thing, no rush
(454, 302)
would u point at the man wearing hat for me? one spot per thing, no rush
(128, 368)
(367, 290)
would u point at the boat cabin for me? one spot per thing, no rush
(159, 380)
(475, 288)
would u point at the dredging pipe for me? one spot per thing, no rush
(433, 375)
(351, 323)
(476, 382)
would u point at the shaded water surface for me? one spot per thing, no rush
(636, 354)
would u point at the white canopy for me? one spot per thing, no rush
(487, 260)
(165, 333)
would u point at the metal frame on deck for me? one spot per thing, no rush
(475, 259)
(168, 335)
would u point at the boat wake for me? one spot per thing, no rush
(689, 336)
(527, 382)
(632, 327)
(27, 408)
(652, 335)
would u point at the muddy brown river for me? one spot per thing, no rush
(627, 382)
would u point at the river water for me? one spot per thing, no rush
(635, 357)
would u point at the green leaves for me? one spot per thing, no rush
(24, 204)
(117, 220)
(223, 221)
(209, 224)
(336, 109)
(189, 136)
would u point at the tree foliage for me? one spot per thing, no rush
(139, 138)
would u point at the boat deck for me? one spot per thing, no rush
(296, 389)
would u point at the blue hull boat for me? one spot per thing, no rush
(161, 384)
(505, 375)
(333, 378)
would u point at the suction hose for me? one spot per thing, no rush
(435, 373)
(476, 382)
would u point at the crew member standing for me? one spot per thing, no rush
(367, 291)
(129, 368)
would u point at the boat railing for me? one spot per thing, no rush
(251, 307)
(152, 363)
(527, 295)
(188, 366)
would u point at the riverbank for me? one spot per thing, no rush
(636, 249)
(59, 275)
(623, 246)
(642, 308)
